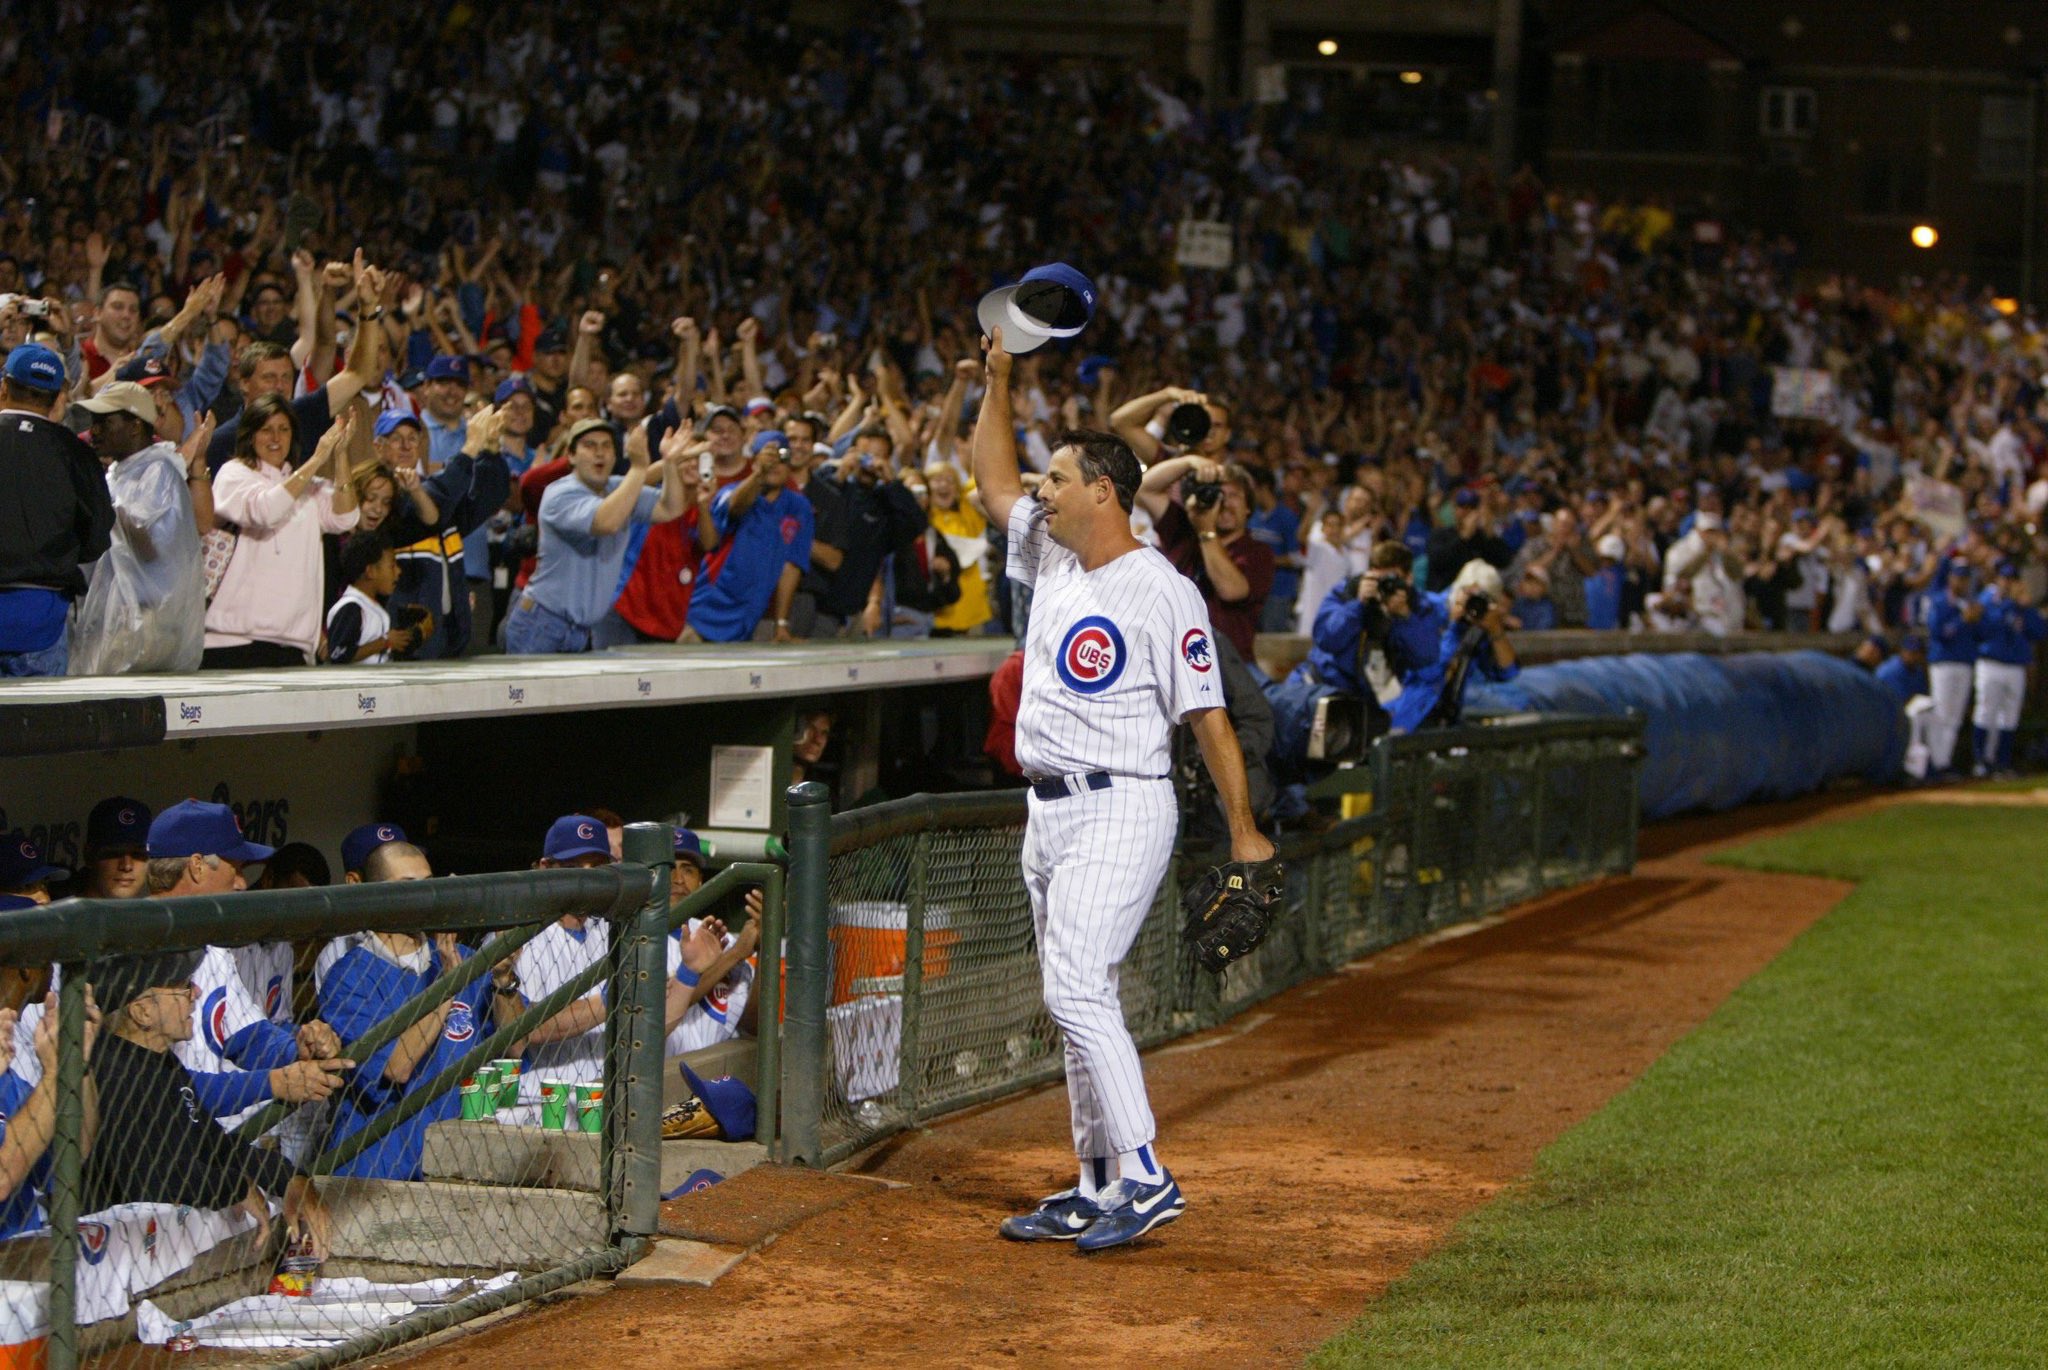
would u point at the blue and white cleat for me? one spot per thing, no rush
(1130, 1209)
(1060, 1218)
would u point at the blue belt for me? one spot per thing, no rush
(1060, 786)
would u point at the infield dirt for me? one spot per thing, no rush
(1325, 1139)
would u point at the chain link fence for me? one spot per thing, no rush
(272, 1128)
(935, 1000)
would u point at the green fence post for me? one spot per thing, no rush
(68, 1160)
(803, 1055)
(768, 1075)
(634, 1132)
(909, 1069)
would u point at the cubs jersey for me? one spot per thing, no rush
(1113, 657)
(548, 962)
(716, 1017)
(266, 970)
(222, 1008)
(361, 990)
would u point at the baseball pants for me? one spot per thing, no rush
(1092, 865)
(2001, 688)
(1949, 683)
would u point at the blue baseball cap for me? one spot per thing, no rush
(574, 835)
(391, 420)
(117, 825)
(357, 846)
(192, 828)
(1051, 301)
(510, 386)
(33, 366)
(448, 368)
(689, 848)
(773, 437)
(22, 863)
(730, 1102)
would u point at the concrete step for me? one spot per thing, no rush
(506, 1154)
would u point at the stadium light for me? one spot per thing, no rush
(1924, 235)
(2006, 304)
(1328, 47)
(1411, 78)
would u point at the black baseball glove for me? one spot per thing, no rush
(1231, 909)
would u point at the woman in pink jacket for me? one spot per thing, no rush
(267, 609)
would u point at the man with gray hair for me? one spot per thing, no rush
(238, 1057)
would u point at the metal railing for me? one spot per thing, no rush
(913, 975)
(498, 1214)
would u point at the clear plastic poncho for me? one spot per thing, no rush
(145, 609)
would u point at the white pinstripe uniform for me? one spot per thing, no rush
(1113, 659)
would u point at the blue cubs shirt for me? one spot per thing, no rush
(363, 989)
(771, 533)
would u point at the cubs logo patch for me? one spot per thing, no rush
(1092, 656)
(213, 1022)
(789, 528)
(1194, 649)
(386, 833)
(586, 832)
(28, 851)
(92, 1241)
(716, 1002)
(273, 996)
(461, 1024)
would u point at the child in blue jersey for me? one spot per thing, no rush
(368, 984)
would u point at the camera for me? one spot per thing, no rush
(1201, 494)
(1188, 424)
(35, 309)
(1477, 606)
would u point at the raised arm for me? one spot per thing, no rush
(616, 510)
(1155, 491)
(1130, 418)
(995, 438)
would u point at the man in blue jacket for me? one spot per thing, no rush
(370, 983)
(1436, 691)
(2007, 633)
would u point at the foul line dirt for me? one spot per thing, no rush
(1323, 1149)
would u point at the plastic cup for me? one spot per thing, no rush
(508, 1080)
(590, 1107)
(554, 1104)
(474, 1104)
(487, 1085)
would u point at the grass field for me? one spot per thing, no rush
(1846, 1165)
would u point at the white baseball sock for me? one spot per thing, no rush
(1140, 1165)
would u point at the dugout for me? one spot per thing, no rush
(475, 757)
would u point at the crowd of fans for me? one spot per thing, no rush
(716, 391)
(183, 1048)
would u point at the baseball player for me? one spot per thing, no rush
(1118, 650)
(2006, 634)
(1951, 616)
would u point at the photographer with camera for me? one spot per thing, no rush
(765, 529)
(1380, 611)
(1475, 639)
(1206, 536)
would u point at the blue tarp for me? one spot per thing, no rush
(1724, 730)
